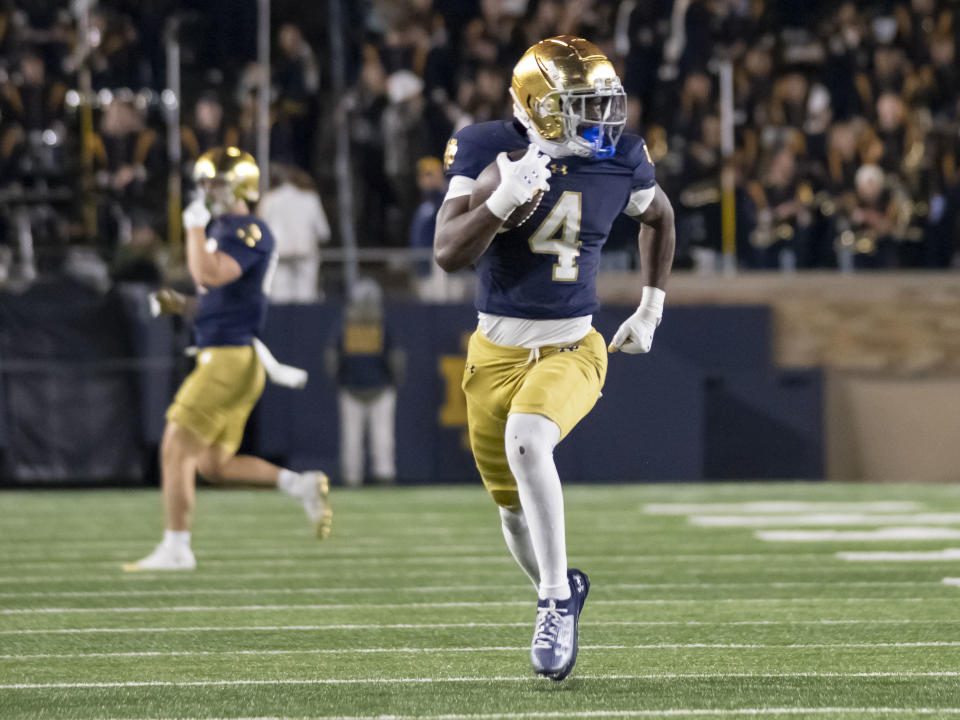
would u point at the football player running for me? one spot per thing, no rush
(230, 255)
(535, 365)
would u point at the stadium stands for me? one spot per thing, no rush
(822, 97)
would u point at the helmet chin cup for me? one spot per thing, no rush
(594, 136)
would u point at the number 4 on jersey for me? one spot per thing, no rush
(559, 234)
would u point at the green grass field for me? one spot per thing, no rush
(413, 607)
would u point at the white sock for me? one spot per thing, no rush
(517, 535)
(530, 440)
(176, 538)
(289, 482)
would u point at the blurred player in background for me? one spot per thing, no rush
(230, 255)
(367, 368)
(535, 366)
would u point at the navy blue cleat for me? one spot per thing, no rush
(553, 651)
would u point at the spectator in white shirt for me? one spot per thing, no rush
(293, 211)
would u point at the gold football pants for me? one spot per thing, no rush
(563, 384)
(216, 399)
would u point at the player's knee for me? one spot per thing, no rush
(529, 439)
(211, 464)
(175, 445)
(524, 451)
(179, 445)
(209, 467)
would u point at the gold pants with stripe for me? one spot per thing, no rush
(563, 384)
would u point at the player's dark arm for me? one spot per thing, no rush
(658, 240)
(210, 269)
(463, 235)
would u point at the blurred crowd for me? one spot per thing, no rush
(846, 116)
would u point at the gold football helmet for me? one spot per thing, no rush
(568, 96)
(225, 175)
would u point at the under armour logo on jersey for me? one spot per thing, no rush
(570, 348)
(472, 369)
(558, 169)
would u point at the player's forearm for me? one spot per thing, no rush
(657, 245)
(461, 238)
(658, 240)
(199, 261)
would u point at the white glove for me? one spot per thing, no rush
(636, 333)
(520, 180)
(196, 214)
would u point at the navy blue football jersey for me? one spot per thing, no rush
(547, 268)
(233, 314)
(363, 351)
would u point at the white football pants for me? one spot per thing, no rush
(358, 418)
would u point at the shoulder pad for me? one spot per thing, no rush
(247, 230)
(476, 146)
(637, 157)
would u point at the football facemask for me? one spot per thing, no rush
(594, 121)
(218, 196)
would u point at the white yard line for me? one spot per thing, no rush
(127, 578)
(480, 649)
(778, 506)
(67, 552)
(279, 560)
(507, 571)
(263, 591)
(882, 535)
(670, 712)
(823, 520)
(497, 559)
(443, 589)
(951, 581)
(441, 680)
(423, 605)
(440, 626)
(915, 556)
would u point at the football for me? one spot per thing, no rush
(487, 182)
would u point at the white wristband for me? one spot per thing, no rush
(652, 298)
(501, 203)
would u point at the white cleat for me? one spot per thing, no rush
(316, 501)
(164, 557)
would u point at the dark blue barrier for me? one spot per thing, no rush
(662, 417)
(707, 403)
(153, 341)
(718, 338)
(69, 387)
(764, 425)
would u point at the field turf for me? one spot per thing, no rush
(413, 607)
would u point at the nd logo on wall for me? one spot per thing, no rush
(453, 412)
